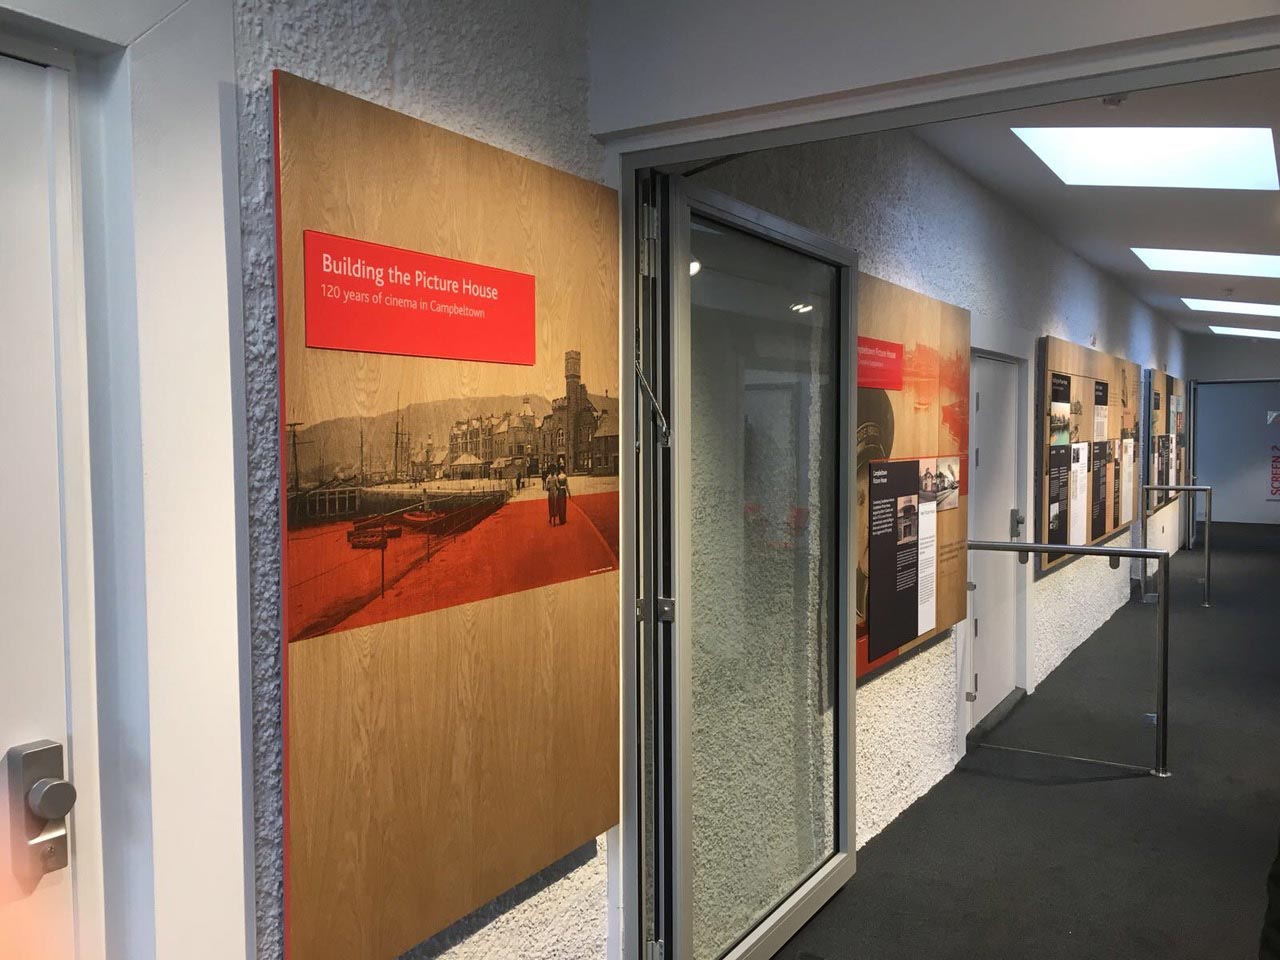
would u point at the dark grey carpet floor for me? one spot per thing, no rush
(1013, 856)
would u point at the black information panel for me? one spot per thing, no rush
(893, 605)
(1059, 483)
(1098, 474)
(1117, 453)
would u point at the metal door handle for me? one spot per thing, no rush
(51, 798)
(40, 799)
(1016, 521)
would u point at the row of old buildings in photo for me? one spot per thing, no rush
(577, 434)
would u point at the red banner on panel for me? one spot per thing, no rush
(372, 298)
(879, 363)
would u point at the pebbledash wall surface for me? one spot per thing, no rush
(511, 75)
(918, 221)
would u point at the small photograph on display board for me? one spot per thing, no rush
(913, 437)
(449, 479)
(947, 479)
(1060, 410)
(1085, 478)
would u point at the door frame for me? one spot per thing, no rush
(1022, 573)
(151, 81)
(75, 500)
(674, 814)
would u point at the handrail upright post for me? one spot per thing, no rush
(1208, 526)
(1162, 671)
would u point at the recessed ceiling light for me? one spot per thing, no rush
(694, 267)
(1234, 306)
(1218, 158)
(801, 307)
(1210, 261)
(1246, 332)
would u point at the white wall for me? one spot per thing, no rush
(1235, 447)
(511, 75)
(918, 221)
(659, 61)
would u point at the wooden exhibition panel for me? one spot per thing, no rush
(913, 395)
(1167, 453)
(451, 658)
(1087, 404)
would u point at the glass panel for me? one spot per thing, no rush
(762, 408)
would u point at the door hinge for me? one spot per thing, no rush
(975, 626)
(666, 610)
(647, 237)
(977, 457)
(977, 401)
(655, 950)
(639, 609)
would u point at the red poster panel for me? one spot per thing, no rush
(879, 364)
(372, 298)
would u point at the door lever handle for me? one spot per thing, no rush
(40, 799)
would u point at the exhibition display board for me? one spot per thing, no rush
(1087, 474)
(449, 447)
(1165, 437)
(912, 470)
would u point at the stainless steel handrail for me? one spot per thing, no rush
(1192, 489)
(1114, 554)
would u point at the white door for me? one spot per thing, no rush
(46, 605)
(993, 493)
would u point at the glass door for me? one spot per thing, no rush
(749, 707)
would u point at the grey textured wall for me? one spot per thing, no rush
(512, 74)
(1213, 357)
(918, 221)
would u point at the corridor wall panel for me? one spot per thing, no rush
(1166, 437)
(912, 469)
(448, 339)
(1088, 483)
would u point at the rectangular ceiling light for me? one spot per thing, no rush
(1234, 306)
(1210, 261)
(1215, 158)
(1246, 332)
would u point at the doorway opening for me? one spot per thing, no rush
(966, 211)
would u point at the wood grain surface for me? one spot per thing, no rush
(930, 419)
(1162, 422)
(1086, 367)
(437, 760)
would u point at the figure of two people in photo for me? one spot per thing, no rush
(556, 483)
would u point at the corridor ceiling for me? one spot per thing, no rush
(1102, 224)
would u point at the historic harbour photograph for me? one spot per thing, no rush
(444, 501)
